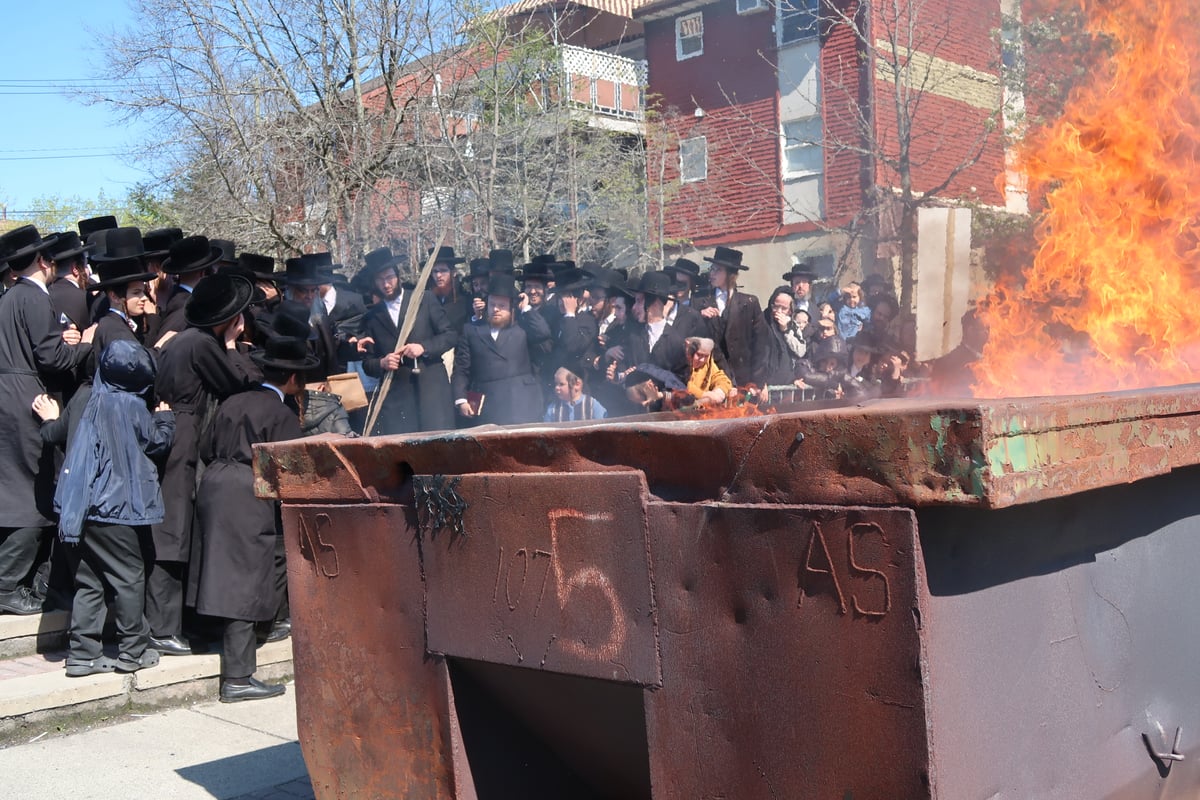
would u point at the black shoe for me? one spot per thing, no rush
(170, 646)
(20, 601)
(254, 690)
(281, 630)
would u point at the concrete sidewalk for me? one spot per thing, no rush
(244, 750)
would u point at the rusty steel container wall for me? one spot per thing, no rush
(913, 453)
(903, 599)
(371, 704)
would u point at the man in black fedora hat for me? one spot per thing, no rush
(419, 396)
(233, 576)
(736, 320)
(478, 271)
(686, 274)
(69, 291)
(157, 244)
(34, 351)
(800, 278)
(197, 369)
(652, 340)
(492, 362)
(443, 286)
(188, 261)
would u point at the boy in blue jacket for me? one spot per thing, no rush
(107, 497)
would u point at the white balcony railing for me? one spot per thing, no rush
(604, 83)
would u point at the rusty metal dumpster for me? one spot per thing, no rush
(966, 599)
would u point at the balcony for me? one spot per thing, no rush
(609, 89)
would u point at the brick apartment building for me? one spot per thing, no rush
(783, 121)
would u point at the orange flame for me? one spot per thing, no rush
(1112, 300)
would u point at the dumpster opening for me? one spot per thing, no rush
(536, 734)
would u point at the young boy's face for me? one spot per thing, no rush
(563, 390)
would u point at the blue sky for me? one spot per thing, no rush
(51, 144)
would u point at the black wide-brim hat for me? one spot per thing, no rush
(502, 261)
(572, 279)
(120, 244)
(800, 271)
(67, 246)
(217, 299)
(446, 255)
(259, 295)
(683, 266)
(263, 267)
(191, 254)
(536, 273)
(378, 260)
(92, 224)
(24, 241)
(313, 269)
(289, 353)
(158, 241)
(480, 268)
(657, 283)
(726, 257)
(502, 284)
(122, 272)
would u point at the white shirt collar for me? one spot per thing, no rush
(330, 299)
(274, 389)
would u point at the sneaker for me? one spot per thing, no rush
(127, 663)
(79, 667)
(20, 601)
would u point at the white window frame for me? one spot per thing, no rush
(785, 146)
(694, 141)
(750, 6)
(680, 22)
(787, 7)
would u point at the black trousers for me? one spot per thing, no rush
(164, 597)
(238, 659)
(109, 568)
(285, 610)
(18, 552)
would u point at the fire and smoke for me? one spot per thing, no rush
(1112, 300)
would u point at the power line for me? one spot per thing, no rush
(50, 158)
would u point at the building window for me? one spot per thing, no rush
(689, 36)
(693, 159)
(803, 154)
(750, 6)
(798, 20)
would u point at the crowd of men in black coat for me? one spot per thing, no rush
(241, 353)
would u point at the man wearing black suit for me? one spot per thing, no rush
(650, 340)
(492, 360)
(443, 286)
(419, 398)
(736, 320)
(34, 350)
(68, 293)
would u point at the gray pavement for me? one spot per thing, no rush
(242, 751)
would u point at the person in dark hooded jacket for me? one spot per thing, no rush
(108, 496)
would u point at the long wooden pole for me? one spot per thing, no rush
(410, 319)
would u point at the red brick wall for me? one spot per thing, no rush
(947, 132)
(734, 82)
(844, 95)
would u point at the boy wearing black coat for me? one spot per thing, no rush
(233, 577)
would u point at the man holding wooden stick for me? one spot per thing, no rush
(417, 395)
